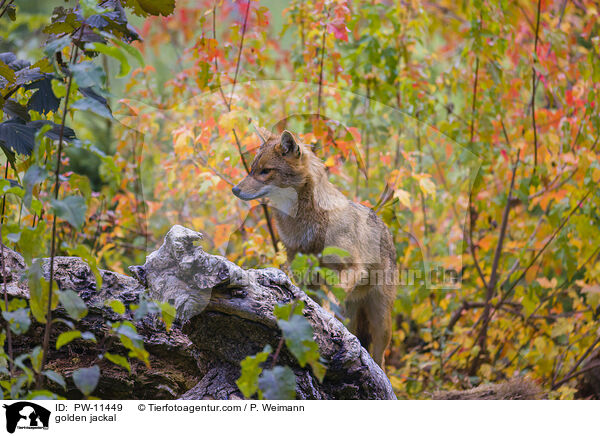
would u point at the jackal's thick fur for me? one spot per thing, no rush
(312, 214)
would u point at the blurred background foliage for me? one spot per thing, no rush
(471, 127)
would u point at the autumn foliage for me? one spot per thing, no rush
(471, 127)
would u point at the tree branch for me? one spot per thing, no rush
(534, 87)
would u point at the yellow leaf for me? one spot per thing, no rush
(486, 242)
(403, 196)
(530, 275)
(545, 283)
(181, 141)
(587, 288)
(427, 186)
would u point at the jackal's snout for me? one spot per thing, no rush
(249, 189)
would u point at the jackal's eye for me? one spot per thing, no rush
(265, 171)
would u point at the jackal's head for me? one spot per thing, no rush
(279, 164)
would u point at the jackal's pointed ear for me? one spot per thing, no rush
(289, 145)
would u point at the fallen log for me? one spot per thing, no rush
(224, 313)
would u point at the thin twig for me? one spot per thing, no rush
(539, 253)
(534, 87)
(239, 57)
(234, 132)
(491, 288)
(6, 8)
(579, 362)
(321, 65)
(8, 331)
(46, 340)
(214, 29)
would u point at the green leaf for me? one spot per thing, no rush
(116, 305)
(65, 337)
(7, 72)
(16, 110)
(86, 379)
(296, 331)
(83, 186)
(36, 358)
(34, 175)
(133, 51)
(298, 334)
(251, 370)
(284, 311)
(114, 52)
(127, 329)
(151, 7)
(55, 377)
(88, 74)
(84, 253)
(11, 12)
(278, 383)
(17, 137)
(38, 291)
(335, 251)
(88, 336)
(132, 341)
(94, 106)
(43, 395)
(118, 360)
(18, 320)
(72, 209)
(73, 304)
(167, 313)
(57, 45)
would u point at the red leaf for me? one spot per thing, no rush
(339, 29)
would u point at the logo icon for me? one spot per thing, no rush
(26, 415)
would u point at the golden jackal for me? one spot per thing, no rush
(312, 214)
